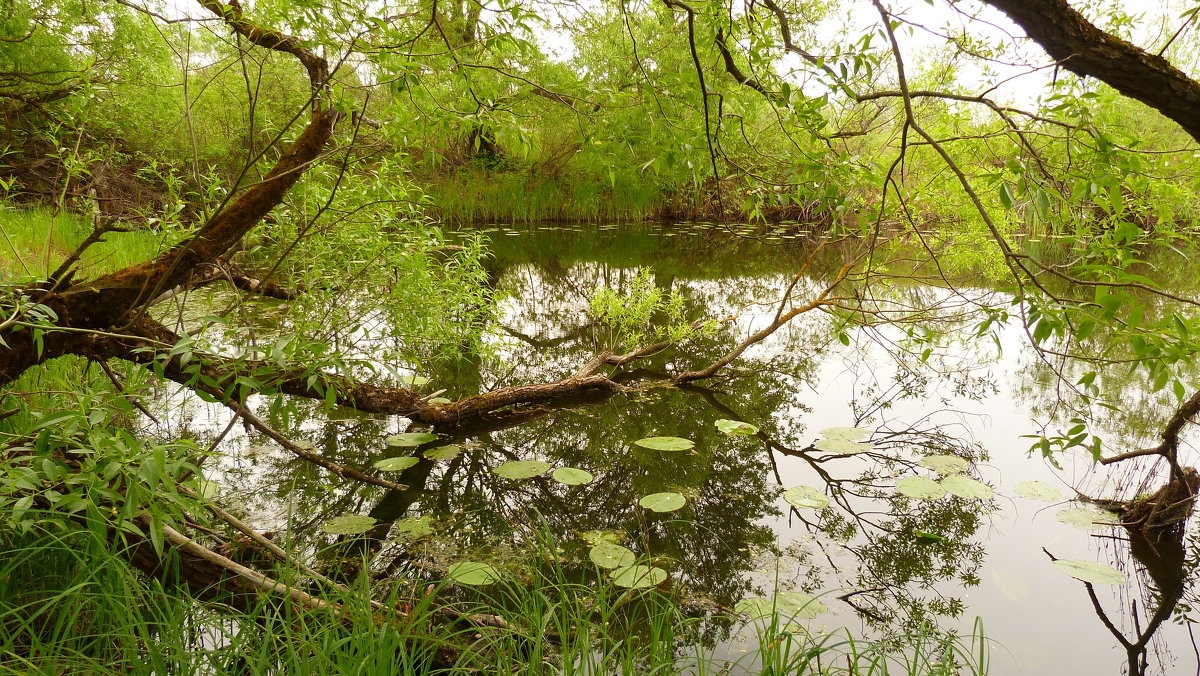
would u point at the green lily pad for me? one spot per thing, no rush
(595, 537)
(611, 555)
(665, 443)
(845, 433)
(448, 452)
(396, 464)
(350, 524)
(757, 608)
(521, 469)
(789, 604)
(796, 604)
(663, 502)
(637, 577)
(1085, 518)
(1087, 571)
(736, 428)
(842, 446)
(414, 527)
(1036, 490)
(921, 488)
(410, 439)
(806, 497)
(473, 573)
(572, 476)
(945, 464)
(207, 490)
(967, 488)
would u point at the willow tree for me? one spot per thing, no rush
(111, 316)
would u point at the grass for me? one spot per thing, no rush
(481, 196)
(33, 242)
(69, 605)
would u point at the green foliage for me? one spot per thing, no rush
(639, 313)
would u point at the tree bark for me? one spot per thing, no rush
(1084, 49)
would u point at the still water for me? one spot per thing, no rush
(881, 563)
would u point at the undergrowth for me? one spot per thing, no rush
(69, 604)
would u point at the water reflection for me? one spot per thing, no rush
(880, 560)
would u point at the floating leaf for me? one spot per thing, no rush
(414, 380)
(207, 490)
(663, 502)
(410, 439)
(796, 604)
(968, 488)
(351, 524)
(571, 476)
(842, 446)
(414, 526)
(521, 469)
(945, 464)
(1036, 490)
(665, 443)
(396, 464)
(1087, 571)
(758, 608)
(448, 452)
(921, 488)
(736, 428)
(806, 496)
(845, 433)
(788, 604)
(1085, 518)
(611, 555)
(595, 537)
(473, 572)
(638, 577)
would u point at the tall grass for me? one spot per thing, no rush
(33, 242)
(70, 605)
(505, 197)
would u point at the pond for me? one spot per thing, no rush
(861, 415)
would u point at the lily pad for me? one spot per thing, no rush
(522, 469)
(448, 452)
(757, 607)
(789, 604)
(968, 488)
(638, 577)
(611, 555)
(665, 443)
(807, 497)
(842, 446)
(1036, 490)
(663, 502)
(473, 573)
(1088, 571)
(410, 439)
(845, 433)
(572, 476)
(921, 488)
(396, 464)
(945, 464)
(1085, 518)
(414, 527)
(736, 428)
(350, 524)
(796, 604)
(595, 537)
